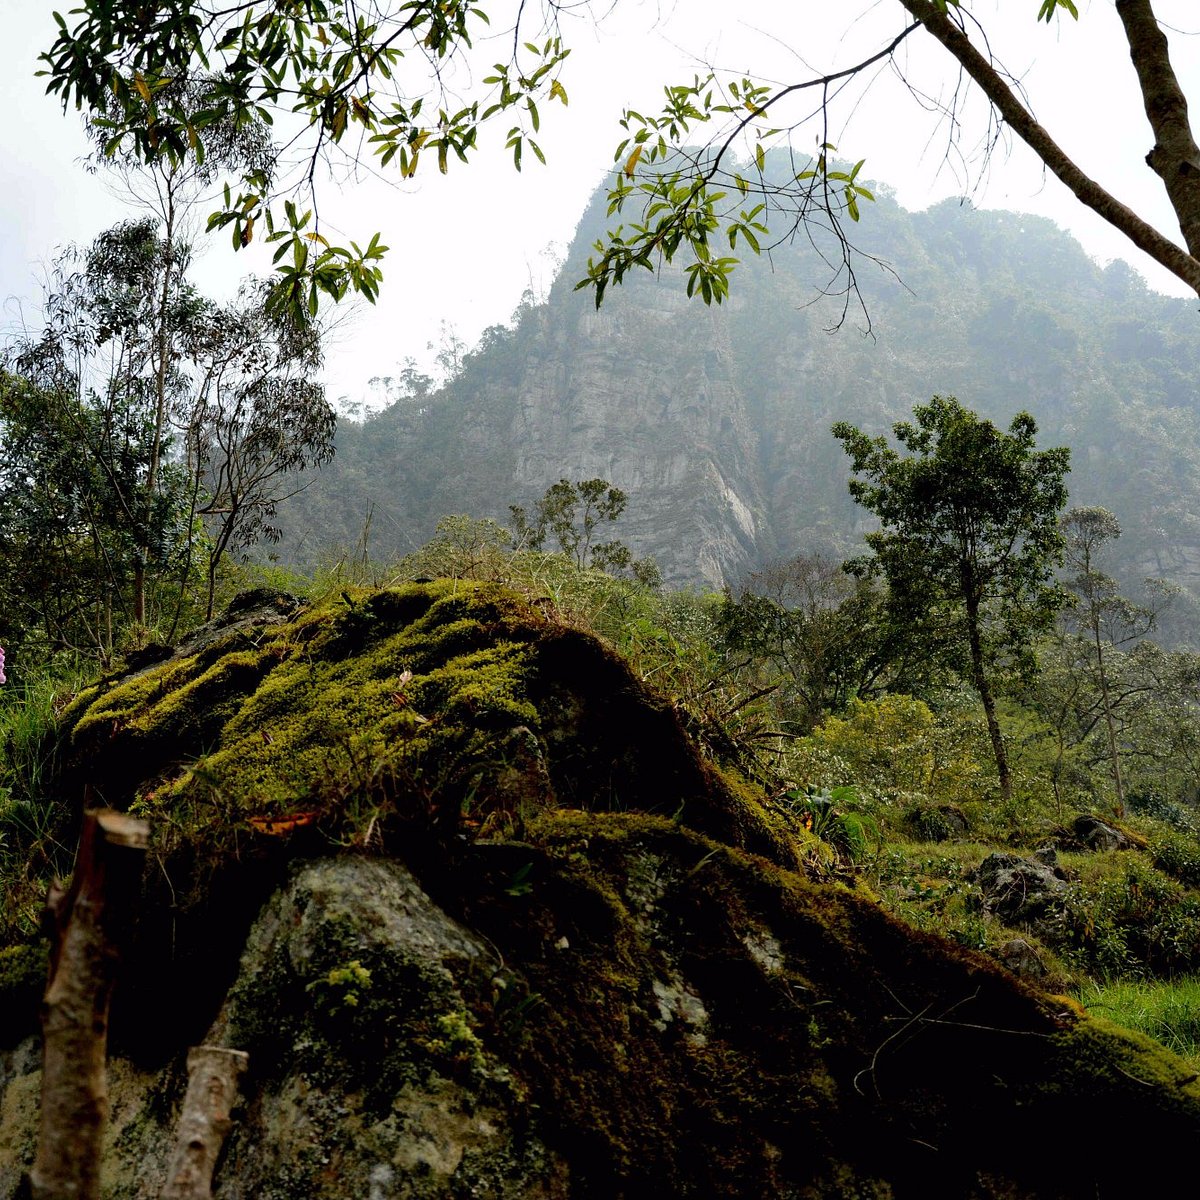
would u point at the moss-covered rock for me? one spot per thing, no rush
(488, 924)
(437, 707)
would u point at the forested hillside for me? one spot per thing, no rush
(716, 421)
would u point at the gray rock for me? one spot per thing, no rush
(1022, 960)
(1019, 890)
(1096, 834)
(367, 1078)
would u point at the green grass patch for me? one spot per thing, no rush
(1166, 1010)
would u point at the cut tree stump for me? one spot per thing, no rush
(90, 919)
(204, 1122)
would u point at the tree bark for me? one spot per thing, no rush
(1143, 235)
(89, 920)
(1114, 755)
(985, 696)
(1175, 157)
(204, 1122)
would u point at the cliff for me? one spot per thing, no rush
(716, 421)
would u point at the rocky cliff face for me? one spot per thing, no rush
(487, 924)
(716, 421)
(611, 396)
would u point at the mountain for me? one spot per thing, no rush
(716, 420)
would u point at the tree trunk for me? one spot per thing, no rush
(1175, 157)
(89, 919)
(1114, 756)
(985, 697)
(204, 1122)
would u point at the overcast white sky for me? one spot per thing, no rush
(465, 246)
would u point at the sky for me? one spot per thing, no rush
(464, 247)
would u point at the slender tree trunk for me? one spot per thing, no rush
(985, 696)
(89, 920)
(163, 339)
(1114, 756)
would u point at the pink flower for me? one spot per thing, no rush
(3, 677)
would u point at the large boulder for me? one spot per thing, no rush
(1021, 891)
(487, 924)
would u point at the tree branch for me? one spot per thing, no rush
(1175, 157)
(1143, 235)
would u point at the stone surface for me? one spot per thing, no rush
(1096, 834)
(1020, 891)
(1019, 957)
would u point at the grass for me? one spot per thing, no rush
(29, 818)
(1166, 1010)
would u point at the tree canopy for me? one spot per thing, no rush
(366, 80)
(969, 533)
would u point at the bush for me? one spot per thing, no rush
(1178, 856)
(1132, 921)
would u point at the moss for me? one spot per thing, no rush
(648, 971)
(428, 706)
(884, 1062)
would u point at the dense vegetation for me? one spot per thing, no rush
(813, 687)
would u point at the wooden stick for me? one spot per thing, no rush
(89, 920)
(204, 1122)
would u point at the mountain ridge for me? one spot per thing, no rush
(716, 420)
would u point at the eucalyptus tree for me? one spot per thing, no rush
(968, 535)
(107, 450)
(99, 385)
(258, 416)
(1103, 622)
(168, 187)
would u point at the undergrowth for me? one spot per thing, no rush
(32, 847)
(1166, 1010)
(899, 791)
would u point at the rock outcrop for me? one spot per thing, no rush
(487, 924)
(716, 420)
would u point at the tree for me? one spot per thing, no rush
(257, 416)
(1103, 621)
(74, 530)
(338, 74)
(352, 75)
(115, 466)
(968, 519)
(691, 198)
(572, 513)
(826, 635)
(168, 187)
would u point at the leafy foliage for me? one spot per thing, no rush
(164, 83)
(142, 423)
(969, 531)
(571, 513)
